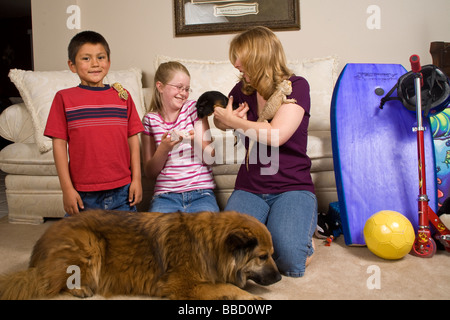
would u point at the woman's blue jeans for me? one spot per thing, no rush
(291, 218)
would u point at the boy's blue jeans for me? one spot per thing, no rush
(115, 199)
(291, 218)
(190, 202)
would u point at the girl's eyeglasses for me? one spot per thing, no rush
(181, 88)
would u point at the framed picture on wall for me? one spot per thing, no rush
(196, 17)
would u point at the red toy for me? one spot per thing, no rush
(424, 245)
(329, 240)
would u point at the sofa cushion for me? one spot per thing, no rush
(26, 159)
(38, 89)
(319, 145)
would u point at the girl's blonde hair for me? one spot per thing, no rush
(263, 59)
(165, 72)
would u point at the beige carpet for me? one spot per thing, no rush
(337, 271)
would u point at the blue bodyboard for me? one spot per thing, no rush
(375, 150)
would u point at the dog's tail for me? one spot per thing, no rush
(22, 285)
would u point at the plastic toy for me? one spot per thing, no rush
(329, 240)
(175, 135)
(389, 234)
(123, 94)
(424, 245)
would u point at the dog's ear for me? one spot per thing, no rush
(204, 106)
(242, 239)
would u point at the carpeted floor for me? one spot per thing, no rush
(336, 272)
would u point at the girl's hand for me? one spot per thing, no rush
(167, 144)
(190, 138)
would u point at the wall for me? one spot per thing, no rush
(138, 30)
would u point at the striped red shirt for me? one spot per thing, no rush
(96, 124)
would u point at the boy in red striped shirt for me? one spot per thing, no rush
(96, 127)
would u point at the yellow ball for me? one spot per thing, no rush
(389, 234)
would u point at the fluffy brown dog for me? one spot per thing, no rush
(176, 255)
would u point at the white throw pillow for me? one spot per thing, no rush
(38, 88)
(321, 74)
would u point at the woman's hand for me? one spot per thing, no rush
(224, 117)
(241, 112)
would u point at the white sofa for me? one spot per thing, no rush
(32, 186)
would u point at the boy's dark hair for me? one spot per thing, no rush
(86, 37)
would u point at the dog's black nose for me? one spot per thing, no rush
(266, 278)
(274, 277)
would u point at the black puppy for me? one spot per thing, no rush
(209, 100)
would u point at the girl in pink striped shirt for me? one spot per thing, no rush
(174, 143)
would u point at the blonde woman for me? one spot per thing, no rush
(283, 198)
(173, 146)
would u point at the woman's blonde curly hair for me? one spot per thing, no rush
(262, 56)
